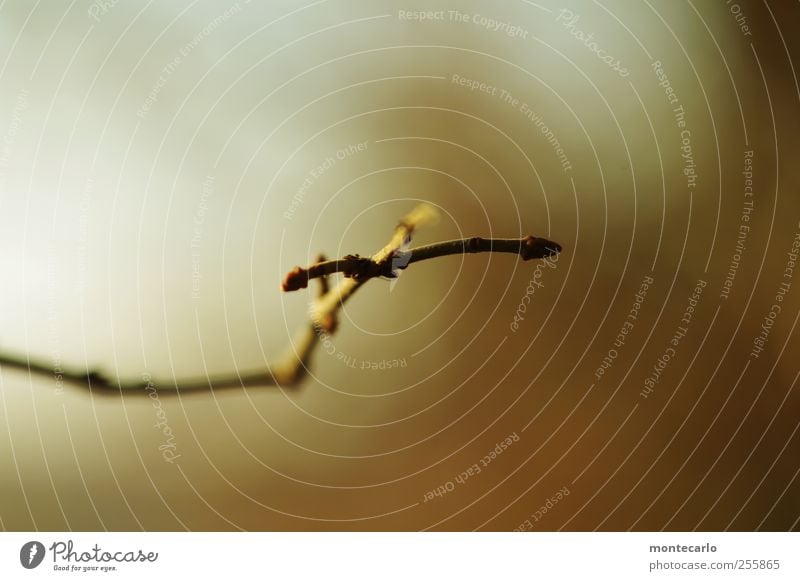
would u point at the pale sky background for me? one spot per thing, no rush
(115, 155)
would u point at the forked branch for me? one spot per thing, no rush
(290, 369)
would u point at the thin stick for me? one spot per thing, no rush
(290, 369)
(287, 371)
(358, 267)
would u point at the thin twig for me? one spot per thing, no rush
(329, 305)
(290, 369)
(358, 267)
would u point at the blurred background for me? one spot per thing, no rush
(162, 166)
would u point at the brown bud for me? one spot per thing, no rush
(533, 247)
(296, 279)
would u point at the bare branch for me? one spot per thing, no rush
(358, 267)
(290, 369)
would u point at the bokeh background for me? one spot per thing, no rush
(164, 164)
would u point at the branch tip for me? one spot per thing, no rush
(534, 247)
(296, 279)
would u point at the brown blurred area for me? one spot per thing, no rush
(163, 166)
